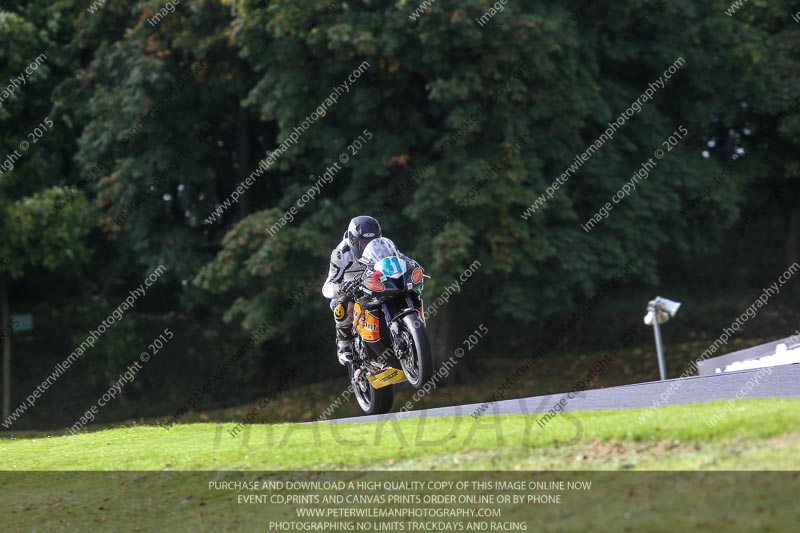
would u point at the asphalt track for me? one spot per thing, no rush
(783, 382)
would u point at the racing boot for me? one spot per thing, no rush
(343, 315)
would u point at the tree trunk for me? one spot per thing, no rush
(6, 322)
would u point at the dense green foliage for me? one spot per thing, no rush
(156, 124)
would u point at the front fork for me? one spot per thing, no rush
(398, 341)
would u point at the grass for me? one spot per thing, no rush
(148, 478)
(755, 435)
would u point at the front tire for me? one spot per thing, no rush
(418, 362)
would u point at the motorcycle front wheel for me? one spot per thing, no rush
(371, 400)
(417, 362)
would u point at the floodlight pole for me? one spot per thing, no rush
(655, 308)
(662, 367)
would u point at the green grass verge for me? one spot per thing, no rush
(167, 486)
(754, 435)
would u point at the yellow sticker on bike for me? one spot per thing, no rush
(387, 377)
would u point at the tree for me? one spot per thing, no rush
(447, 99)
(34, 235)
(470, 124)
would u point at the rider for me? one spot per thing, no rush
(343, 277)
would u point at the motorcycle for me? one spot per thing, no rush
(390, 340)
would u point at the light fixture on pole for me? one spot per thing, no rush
(659, 310)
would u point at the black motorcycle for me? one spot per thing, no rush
(390, 340)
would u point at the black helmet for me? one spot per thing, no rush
(360, 231)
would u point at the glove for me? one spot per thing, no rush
(349, 287)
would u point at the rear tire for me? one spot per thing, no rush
(420, 371)
(371, 400)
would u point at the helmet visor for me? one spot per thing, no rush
(362, 244)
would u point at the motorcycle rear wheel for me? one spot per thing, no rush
(371, 400)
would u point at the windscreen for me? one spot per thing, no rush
(377, 250)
